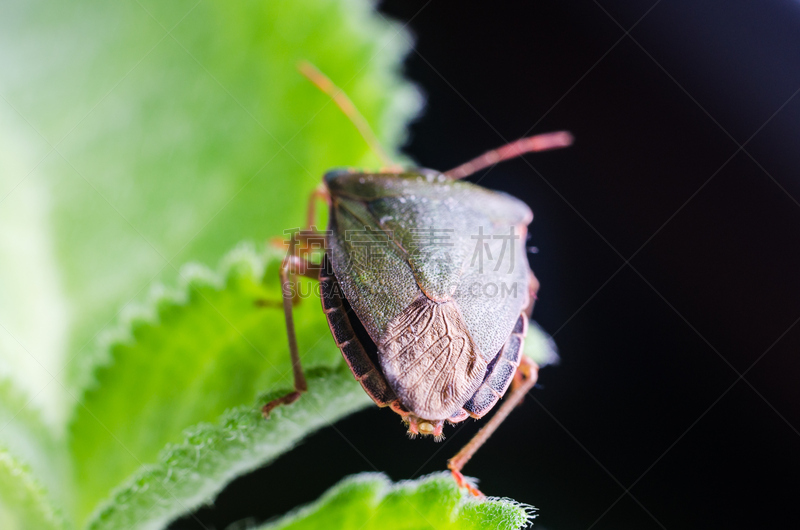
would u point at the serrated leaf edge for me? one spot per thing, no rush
(386, 487)
(192, 276)
(38, 493)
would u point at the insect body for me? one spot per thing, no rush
(441, 318)
(427, 290)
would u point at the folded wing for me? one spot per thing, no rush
(430, 359)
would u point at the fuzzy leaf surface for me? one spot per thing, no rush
(193, 471)
(23, 502)
(370, 501)
(214, 345)
(24, 435)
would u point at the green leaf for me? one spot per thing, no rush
(139, 135)
(24, 434)
(192, 472)
(370, 501)
(33, 313)
(135, 136)
(540, 346)
(212, 346)
(165, 424)
(23, 502)
(147, 134)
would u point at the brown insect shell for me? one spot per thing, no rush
(418, 257)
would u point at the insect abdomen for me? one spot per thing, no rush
(501, 372)
(338, 313)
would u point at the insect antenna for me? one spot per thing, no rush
(313, 74)
(540, 142)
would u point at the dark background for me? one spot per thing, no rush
(669, 262)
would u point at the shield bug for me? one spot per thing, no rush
(426, 287)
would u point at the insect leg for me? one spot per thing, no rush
(524, 380)
(299, 257)
(296, 262)
(300, 384)
(322, 194)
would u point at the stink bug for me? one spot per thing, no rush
(428, 315)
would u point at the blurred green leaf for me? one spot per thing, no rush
(23, 502)
(148, 134)
(192, 472)
(212, 346)
(370, 501)
(33, 311)
(136, 136)
(540, 346)
(26, 436)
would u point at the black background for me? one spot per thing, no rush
(677, 403)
